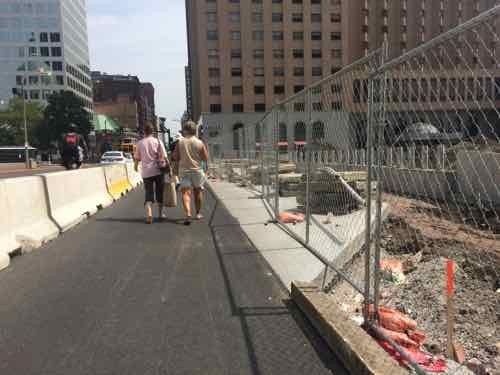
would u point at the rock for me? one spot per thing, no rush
(434, 348)
(476, 367)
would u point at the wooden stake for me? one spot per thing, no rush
(450, 266)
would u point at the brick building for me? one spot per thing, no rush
(125, 99)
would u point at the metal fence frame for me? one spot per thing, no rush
(367, 159)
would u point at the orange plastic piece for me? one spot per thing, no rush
(394, 320)
(400, 338)
(393, 265)
(290, 217)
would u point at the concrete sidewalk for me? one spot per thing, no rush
(287, 257)
(116, 296)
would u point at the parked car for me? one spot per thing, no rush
(111, 157)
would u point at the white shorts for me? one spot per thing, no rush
(193, 179)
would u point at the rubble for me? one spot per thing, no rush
(328, 194)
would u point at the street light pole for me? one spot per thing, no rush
(26, 145)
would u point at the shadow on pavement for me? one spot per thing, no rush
(248, 314)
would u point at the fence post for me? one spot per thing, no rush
(277, 166)
(308, 152)
(380, 185)
(369, 154)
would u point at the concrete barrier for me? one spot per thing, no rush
(74, 195)
(478, 175)
(25, 218)
(134, 178)
(117, 180)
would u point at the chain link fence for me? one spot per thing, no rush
(386, 171)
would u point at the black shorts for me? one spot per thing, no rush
(153, 187)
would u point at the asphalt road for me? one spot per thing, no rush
(116, 296)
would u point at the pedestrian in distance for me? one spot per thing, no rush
(191, 155)
(151, 155)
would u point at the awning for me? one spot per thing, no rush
(299, 143)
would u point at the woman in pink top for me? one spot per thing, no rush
(149, 153)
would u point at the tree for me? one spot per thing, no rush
(12, 122)
(63, 110)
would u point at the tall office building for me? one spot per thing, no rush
(44, 47)
(244, 56)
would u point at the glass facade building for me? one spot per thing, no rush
(44, 49)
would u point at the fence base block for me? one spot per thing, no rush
(359, 353)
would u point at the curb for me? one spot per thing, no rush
(358, 351)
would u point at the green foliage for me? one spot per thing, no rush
(12, 122)
(64, 109)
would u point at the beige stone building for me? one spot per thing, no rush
(246, 55)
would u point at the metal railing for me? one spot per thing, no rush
(394, 160)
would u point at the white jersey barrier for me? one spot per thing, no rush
(25, 218)
(75, 195)
(134, 177)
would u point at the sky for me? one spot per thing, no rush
(146, 38)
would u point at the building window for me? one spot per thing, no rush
(55, 37)
(278, 53)
(215, 108)
(56, 51)
(277, 1)
(298, 53)
(259, 72)
(260, 107)
(44, 51)
(32, 51)
(213, 53)
(238, 108)
(316, 17)
(298, 35)
(296, 1)
(259, 90)
(300, 130)
(212, 35)
(234, 1)
(236, 72)
(214, 90)
(60, 80)
(316, 54)
(298, 88)
(234, 17)
(44, 37)
(278, 90)
(297, 17)
(279, 71)
(277, 17)
(317, 71)
(237, 90)
(298, 71)
(335, 17)
(316, 35)
(318, 130)
(235, 35)
(211, 17)
(33, 80)
(277, 35)
(258, 17)
(315, 1)
(336, 35)
(258, 53)
(213, 72)
(57, 66)
(236, 53)
(258, 35)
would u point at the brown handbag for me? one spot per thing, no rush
(169, 195)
